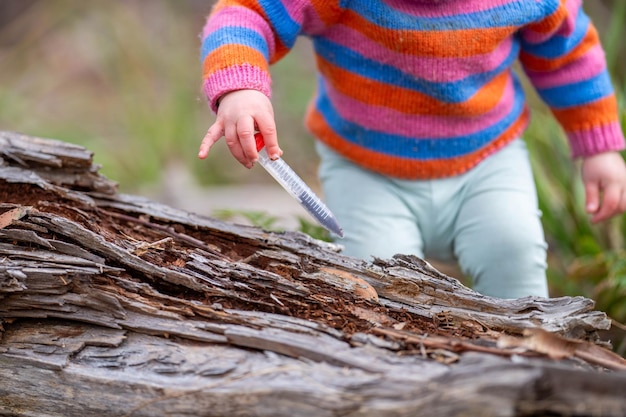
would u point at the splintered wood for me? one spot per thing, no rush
(113, 304)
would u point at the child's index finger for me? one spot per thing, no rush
(213, 134)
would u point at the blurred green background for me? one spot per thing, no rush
(123, 79)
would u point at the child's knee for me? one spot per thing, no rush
(507, 265)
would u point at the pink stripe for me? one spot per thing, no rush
(304, 14)
(427, 68)
(596, 140)
(430, 8)
(412, 125)
(235, 78)
(573, 8)
(243, 17)
(585, 67)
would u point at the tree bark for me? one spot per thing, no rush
(111, 304)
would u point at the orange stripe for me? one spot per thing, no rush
(280, 52)
(603, 111)
(251, 4)
(406, 168)
(407, 101)
(552, 22)
(452, 43)
(230, 55)
(535, 63)
(327, 13)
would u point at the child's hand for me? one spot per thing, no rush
(604, 177)
(240, 114)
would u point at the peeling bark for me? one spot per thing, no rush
(112, 304)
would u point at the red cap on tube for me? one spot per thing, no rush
(259, 141)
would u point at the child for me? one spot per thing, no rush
(418, 117)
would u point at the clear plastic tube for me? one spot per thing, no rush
(291, 182)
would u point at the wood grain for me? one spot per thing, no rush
(112, 304)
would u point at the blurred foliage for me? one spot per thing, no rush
(584, 259)
(268, 222)
(123, 79)
(112, 76)
(256, 218)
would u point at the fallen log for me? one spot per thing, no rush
(112, 304)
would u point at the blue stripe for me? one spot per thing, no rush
(450, 92)
(383, 15)
(234, 35)
(558, 46)
(577, 94)
(285, 27)
(413, 148)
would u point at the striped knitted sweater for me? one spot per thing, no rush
(422, 88)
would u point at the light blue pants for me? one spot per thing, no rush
(486, 219)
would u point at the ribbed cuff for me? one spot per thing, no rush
(240, 77)
(604, 138)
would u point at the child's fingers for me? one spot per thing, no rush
(267, 127)
(604, 176)
(240, 115)
(232, 141)
(611, 203)
(592, 197)
(245, 131)
(215, 132)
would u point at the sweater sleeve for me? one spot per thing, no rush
(242, 38)
(565, 62)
